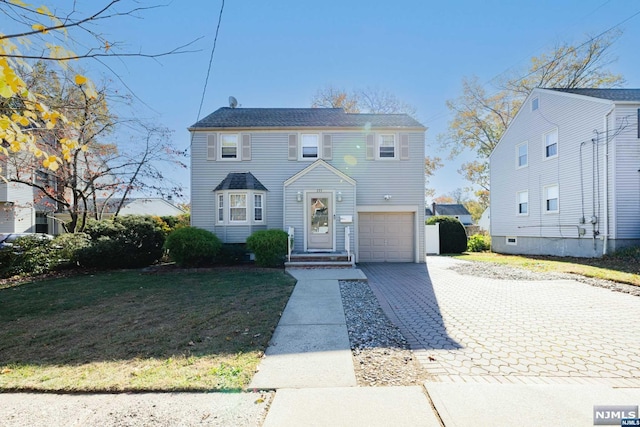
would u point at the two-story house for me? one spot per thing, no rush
(565, 176)
(337, 179)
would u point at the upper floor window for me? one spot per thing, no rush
(229, 146)
(309, 146)
(535, 104)
(522, 153)
(523, 203)
(551, 196)
(551, 144)
(387, 147)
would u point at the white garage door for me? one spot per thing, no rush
(386, 237)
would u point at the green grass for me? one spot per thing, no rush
(623, 267)
(132, 331)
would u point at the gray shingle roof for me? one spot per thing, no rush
(451, 209)
(610, 94)
(301, 117)
(240, 181)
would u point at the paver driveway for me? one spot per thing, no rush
(474, 329)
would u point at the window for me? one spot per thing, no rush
(535, 104)
(237, 207)
(387, 147)
(523, 203)
(257, 207)
(551, 144)
(221, 208)
(229, 147)
(551, 194)
(512, 241)
(522, 153)
(309, 146)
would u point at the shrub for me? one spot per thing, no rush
(453, 238)
(479, 243)
(69, 245)
(192, 247)
(29, 255)
(269, 247)
(130, 241)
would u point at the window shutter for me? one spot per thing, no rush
(371, 146)
(327, 147)
(404, 146)
(293, 147)
(246, 147)
(211, 146)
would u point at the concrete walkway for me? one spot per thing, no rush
(309, 363)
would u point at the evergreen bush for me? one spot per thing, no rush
(269, 247)
(453, 238)
(192, 247)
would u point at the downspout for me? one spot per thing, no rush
(605, 213)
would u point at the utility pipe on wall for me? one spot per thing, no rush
(605, 213)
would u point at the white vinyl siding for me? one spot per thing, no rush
(309, 146)
(551, 199)
(523, 203)
(522, 155)
(551, 144)
(386, 147)
(229, 146)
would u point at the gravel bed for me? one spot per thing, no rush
(381, 354)
(499, 271)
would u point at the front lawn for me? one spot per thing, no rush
(129, 330)
(623, 267)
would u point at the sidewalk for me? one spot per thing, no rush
(309, 365)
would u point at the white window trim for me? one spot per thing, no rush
(219, 207)
(545, 198)
(518, 213)
(250, 207)
(518, 165)
(301, 147)
(379, 144)
(246, 207)
(544, 144)
(220, 144)
(253, 207)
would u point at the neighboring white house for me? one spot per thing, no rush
(156, 206)
(339, 180)
(484, 221)
(565, 176)
(454, 210)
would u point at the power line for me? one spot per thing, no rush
(213, 50)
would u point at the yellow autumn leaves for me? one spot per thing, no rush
(19, 129)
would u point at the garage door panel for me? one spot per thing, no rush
(386, 237)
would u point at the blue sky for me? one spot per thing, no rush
(279, 53)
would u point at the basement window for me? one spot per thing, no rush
(512, 241)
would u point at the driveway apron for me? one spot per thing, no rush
(486, 330)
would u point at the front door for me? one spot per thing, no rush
(319, 221)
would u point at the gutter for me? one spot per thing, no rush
(605, 237)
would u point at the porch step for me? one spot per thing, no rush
(319, 260)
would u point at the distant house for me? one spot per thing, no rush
(485, 220)
(453, 210)
(155, 206)
(342, 182)
(565, 175)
